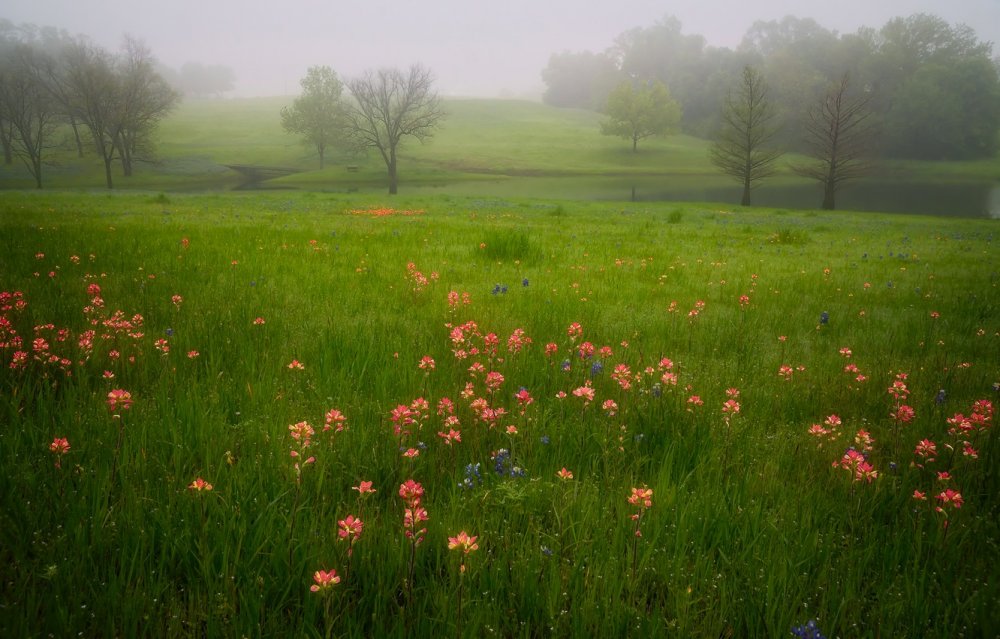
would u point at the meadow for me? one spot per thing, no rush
(305, 414)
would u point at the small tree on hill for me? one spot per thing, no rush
(748, 128)
(638, 113)
(318, 115)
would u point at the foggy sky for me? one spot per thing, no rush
(473, 47)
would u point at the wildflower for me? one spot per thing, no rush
(472, 476)
(296, 365)
(258, 321)
(919, 496)
(426, 363)
(119, 399)
(564, 474)
(335, 420)
(350, 529)
(949, 496)
(59, 446)
(809, 630)
(824, 318)
(364, 488)
(324, 580)
(192, 354)
(641, 497)
(464, 542)
(903, 414)
(411, 492)
(177, 300)
(200, 485)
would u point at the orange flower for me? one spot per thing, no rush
(564, 474)
(325, 579)
(200, 484)
(464, 542)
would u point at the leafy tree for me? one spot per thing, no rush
(145, 99)
(743, 148)
(93, 90)
(838, 135)
(391, 105)
(318, 114)
(638, 113)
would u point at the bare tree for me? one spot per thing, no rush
(28, 106)
(838, 133)
(390, 105)
(743, 149)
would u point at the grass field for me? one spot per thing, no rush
(661, 420)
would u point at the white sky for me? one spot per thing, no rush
(473, 47)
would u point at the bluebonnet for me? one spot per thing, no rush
(596, 368)
(524, 282)
(565, 365)
(808, 631)
(824, 318)
(504, 465)
(544, 439)
(546, 551)
(472, 477)
(496, 289)
(941, 396)
(169, 332)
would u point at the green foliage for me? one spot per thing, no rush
(318, 115)
(638, 113)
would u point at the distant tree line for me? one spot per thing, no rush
(932, 89)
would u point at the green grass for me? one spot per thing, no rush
(750, 532)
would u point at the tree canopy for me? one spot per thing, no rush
(318, 114)
(636, 113)
(934, 87)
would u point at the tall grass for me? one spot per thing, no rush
(751, 530)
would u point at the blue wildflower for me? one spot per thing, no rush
(169, 332)
(565, 365)
(503, 289)
(472, 477)
(544, 439)
(596, 368)
(496, 289)
(524, 282)
(940, 397)
(824, 318)
(808, 631)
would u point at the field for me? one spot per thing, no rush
(655, 420)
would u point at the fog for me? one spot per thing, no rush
(474, 48)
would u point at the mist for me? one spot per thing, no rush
(474, 49)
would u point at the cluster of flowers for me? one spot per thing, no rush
(384, 212)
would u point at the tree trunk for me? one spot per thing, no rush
(107, 170)
(393, 180)
(321, 149)
(76, 134)
(746, 190)
(635, 144)
(828, 196)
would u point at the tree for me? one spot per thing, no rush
(94, 94)
(638, 113)
(145, 99)
(318, 114)
(743, 149)
(28, 106)
(389, 106)
(838, 134)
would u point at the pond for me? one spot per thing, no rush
(970, 200)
